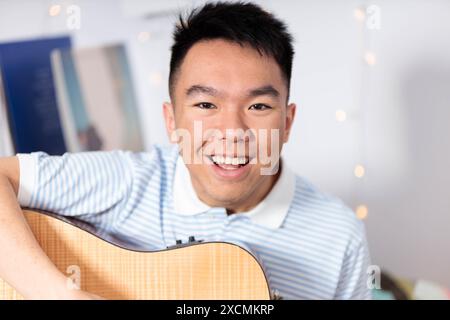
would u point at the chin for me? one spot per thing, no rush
(225, 196)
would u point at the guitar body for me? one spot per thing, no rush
(210, 270)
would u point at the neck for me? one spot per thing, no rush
(256, 197)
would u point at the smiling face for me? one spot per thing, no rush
(220, 86)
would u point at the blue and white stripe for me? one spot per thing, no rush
(319, 252)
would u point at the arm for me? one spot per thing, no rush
(24, 265)
(353, 283)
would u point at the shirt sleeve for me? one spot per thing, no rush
(353, 282)
(92, 186)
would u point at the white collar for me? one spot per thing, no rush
(270, 212)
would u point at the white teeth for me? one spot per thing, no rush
(229, 160)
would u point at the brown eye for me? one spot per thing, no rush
(205, 105)
(259, 107)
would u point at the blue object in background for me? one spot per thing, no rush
(30, 94)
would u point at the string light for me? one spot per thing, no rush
(156, 78)
(359, 171)
(143, 36)
(362, 212)
(370, 58)
(341, 115)
(54, 10)
(359, 14)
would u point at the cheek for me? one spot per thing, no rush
(270, 135)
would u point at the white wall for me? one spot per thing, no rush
(397, 110)
(399, 129)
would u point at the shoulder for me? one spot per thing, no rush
(158, 155)
(157, 158)
(322, 212)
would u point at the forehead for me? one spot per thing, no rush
(228, 65)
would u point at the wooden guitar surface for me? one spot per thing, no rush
(210, 270)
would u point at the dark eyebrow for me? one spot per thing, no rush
(201, 89)
(261, 91)
(265, 90)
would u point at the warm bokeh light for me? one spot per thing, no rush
(54, 10)
(359, 171)
(359, 14)
(143, 36)
(341, 115)
(156, 78)
(370, 58)
(361, 212)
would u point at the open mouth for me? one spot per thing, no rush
(229, 163)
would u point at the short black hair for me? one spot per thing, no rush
(244, 23)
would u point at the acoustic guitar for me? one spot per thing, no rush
(196, 270)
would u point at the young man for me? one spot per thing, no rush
(230, 72)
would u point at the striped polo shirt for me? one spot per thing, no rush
(310, 245)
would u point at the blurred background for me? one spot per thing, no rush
(371, 80)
